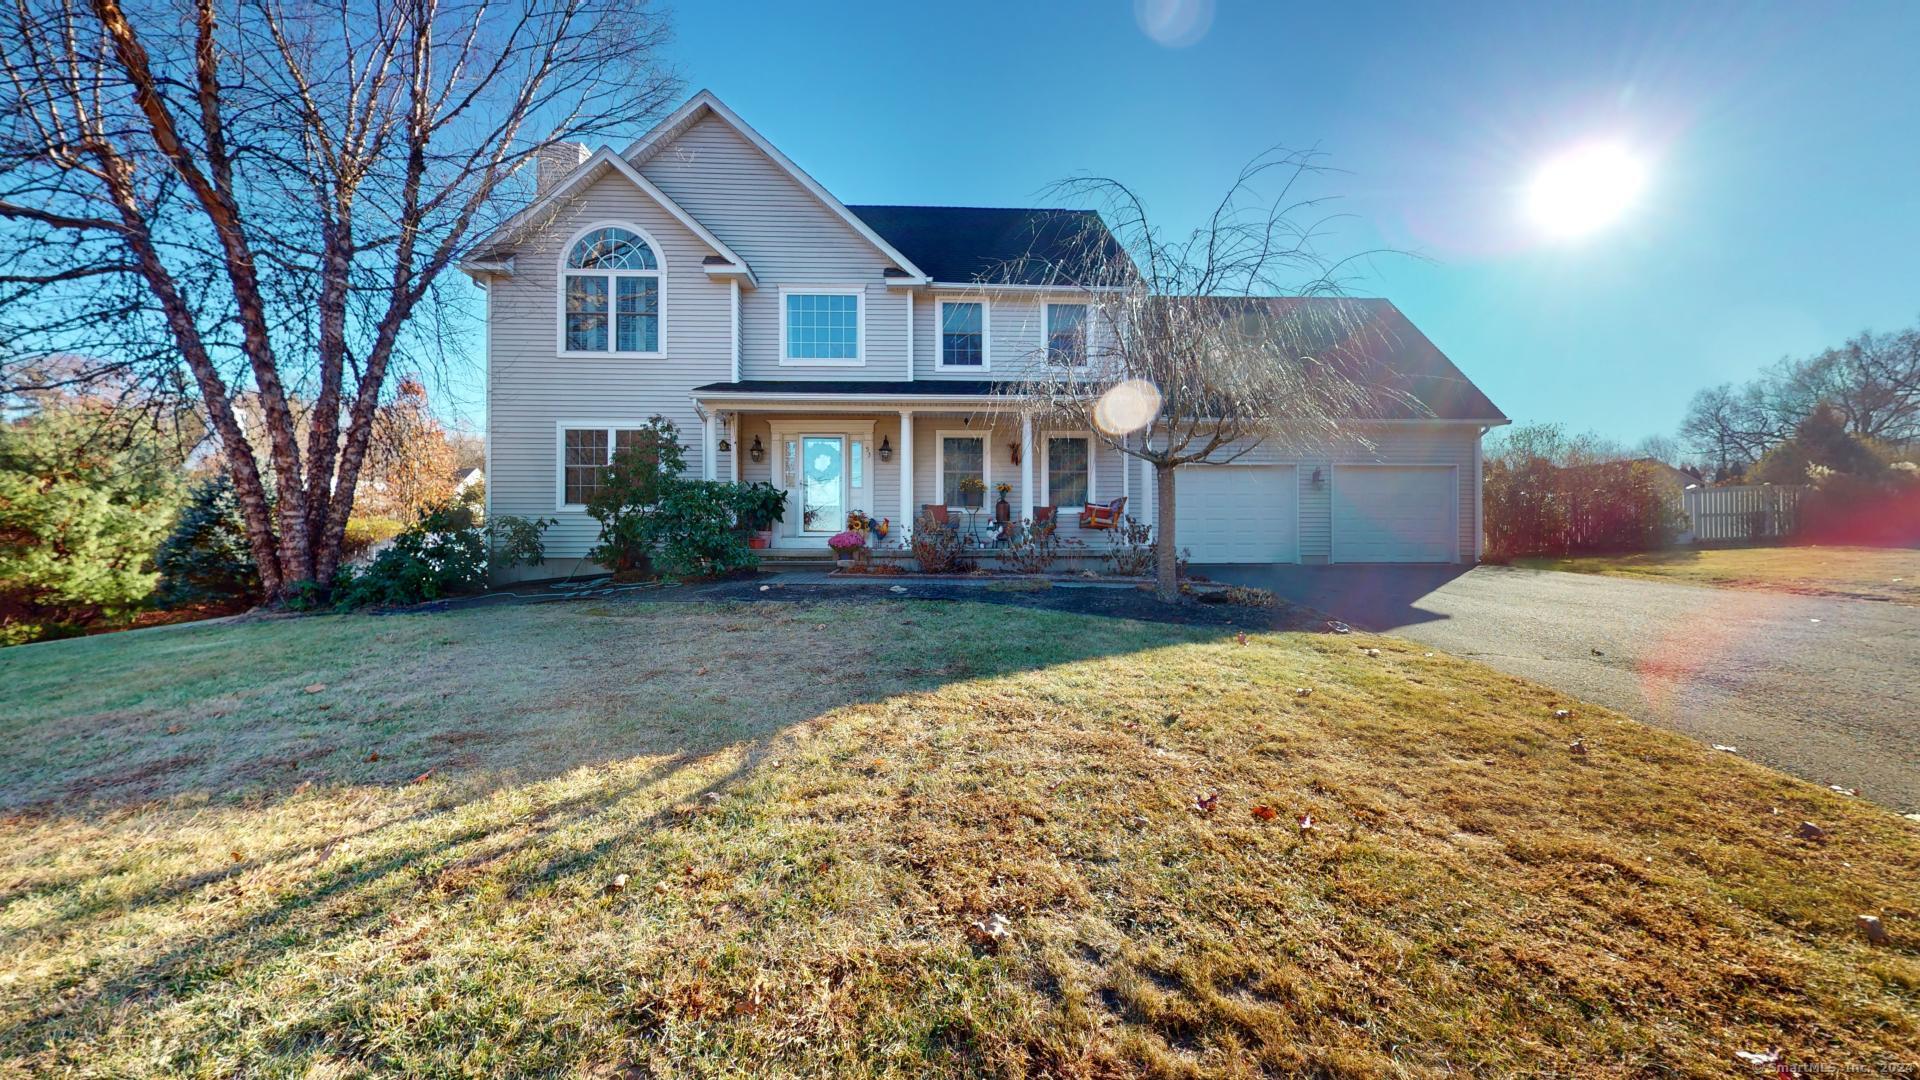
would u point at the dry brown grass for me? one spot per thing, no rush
(1858, 572)
(814, 807)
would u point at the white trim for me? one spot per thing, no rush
(1026, 466)
(686, 115)
(1062, 288)
(859, 293)
(940, 335)
(1293, 485)
(1046, 451)
(486, 446)
(940, 437)
(733, 322)
(1046, 331)
(1453, 504)
(909, 512)
(658, 274)
(850, 430)
(560, 429)
(910, 357)
(1479, 498)
(585, 174)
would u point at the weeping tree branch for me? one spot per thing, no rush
(1208, 346)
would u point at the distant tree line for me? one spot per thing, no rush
(1867, 388)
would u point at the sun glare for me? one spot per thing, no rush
(1585, 189)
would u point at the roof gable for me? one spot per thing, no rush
(602, 161)
(704, 104)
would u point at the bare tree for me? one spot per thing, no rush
(258, 199)
(1205, 347)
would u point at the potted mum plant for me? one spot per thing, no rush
(850, 547)
(761, 506)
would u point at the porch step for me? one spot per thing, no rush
(775, 559)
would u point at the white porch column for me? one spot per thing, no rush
(905, 454)
(1126, 472)
(1026, 467)
(733, 455)
(708, 422)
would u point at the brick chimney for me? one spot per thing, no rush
(555, 162)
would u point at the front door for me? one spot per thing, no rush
(823, 484)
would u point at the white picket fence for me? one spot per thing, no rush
(1741, 512)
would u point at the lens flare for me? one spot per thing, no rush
(1126, 407)
(1585, 189)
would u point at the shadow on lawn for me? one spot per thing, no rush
(553, 735)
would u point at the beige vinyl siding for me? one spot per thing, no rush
(532, 389)
(1404, 444)
(789, 238)
(1015, 332)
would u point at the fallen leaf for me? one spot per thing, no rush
(1302, 691)
(1726, 749)
(1562, 714)
(1241, 637)
(1809, 831)
(618, 883)
(236, 856)
(174, 729)
(1206, 803)
(990, 931)
(374, 756)
(1843, 790)
(1578, 748)
(1339, 627)
(422, 778)
(315, 688)
(1265, 813)
(1306, 823)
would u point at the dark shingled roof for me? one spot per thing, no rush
(1374, 344)
(1003, 246)
(1369, 340)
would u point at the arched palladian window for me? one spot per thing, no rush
(611, 294)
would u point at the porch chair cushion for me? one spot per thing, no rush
(1045, 520)
(1103, 515)
(935, 511)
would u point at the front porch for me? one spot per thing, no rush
(892, 459)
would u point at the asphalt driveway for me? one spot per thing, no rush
(1827, 689)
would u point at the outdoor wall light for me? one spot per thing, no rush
(886, 448)
(756, 451)
(726, 446)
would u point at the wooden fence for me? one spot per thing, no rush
(1743, 512)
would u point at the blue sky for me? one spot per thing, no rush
(1782, 212)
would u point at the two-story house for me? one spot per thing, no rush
(849, 355)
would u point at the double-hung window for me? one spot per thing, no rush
(610, 295)
(822, 326)
(1067, 334)
(963, 458)
(963, 335)
(585, 453)
(1069, 470)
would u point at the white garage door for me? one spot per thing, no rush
(1395, 513)
(1237, 513)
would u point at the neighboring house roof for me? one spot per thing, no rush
(464, 475)
(1004, 246)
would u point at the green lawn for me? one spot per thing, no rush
(1872, 573)
(671, 840)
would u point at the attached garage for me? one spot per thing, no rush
(1396, 514)
(1238, 513)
